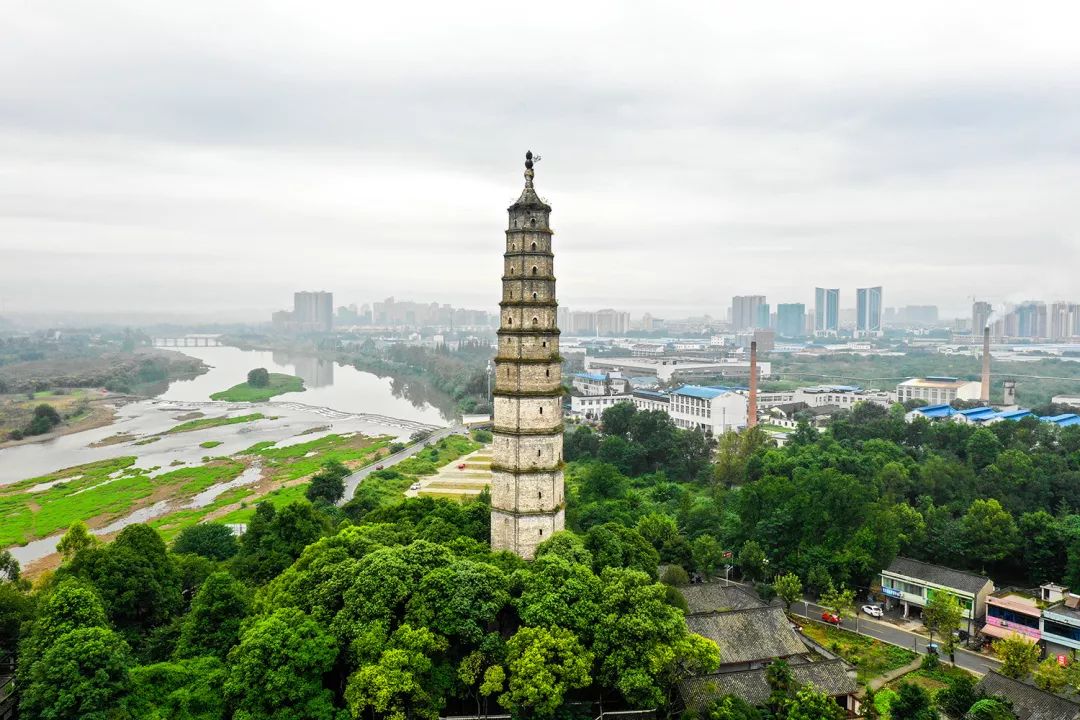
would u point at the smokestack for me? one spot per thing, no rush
(984, 396)
(751, 414)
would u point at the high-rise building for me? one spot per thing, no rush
(745, 311)
(980, 316)
(313, 311)
(1031, 320)
(826, 311)
(1064, 320)
(763, 321)
(868, 311)
(527, 501)
(791, 320)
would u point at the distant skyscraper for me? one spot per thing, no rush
(764, 317)
(313, 311)
(1064, 320)
(791, 320)
(826, 311)
(744, 312)
(980, 316)
(868, 311)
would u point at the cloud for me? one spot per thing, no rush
(224, 155)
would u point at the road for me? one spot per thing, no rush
(357, 477)
(889, 633)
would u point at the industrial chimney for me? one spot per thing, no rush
(984, 396)
(751, 410)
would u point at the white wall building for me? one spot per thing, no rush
(711, 410)
(938, 390)
(667, 369)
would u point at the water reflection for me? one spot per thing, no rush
(329, 384)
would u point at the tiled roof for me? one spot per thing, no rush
(939, 575)
(832, 677)
(714, 597)
(1029, 702)
(760, 633)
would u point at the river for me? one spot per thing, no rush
(337, 399)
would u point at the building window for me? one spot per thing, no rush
(541, 532)
(537, 453)
(509, 321)
(535, 296)
(1011, 616)
(547, 372)
(536, 321)
(541, 410)
(1069, 632)
(532, 222)
(511, 271)
(534, 270)
(512, 246)
(534, 246)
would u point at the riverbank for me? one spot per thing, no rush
(80, 409)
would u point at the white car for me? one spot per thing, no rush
(873, 610)
(414, 486)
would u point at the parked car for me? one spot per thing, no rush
(415, 486)
(378, 467)
(461, 466)
(830, 618)
(873, 610)
(933, 648)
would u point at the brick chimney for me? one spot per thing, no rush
(751, 410)
(984, 396)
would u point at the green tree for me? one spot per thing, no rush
(958, 696)
(276, 670)
(9, 567)
(16, 607)
(1018, 655)
(613, 545)
(328, 484)
(399, 679)
(1051, 676)
(809, 704)
(82, 676)
(618, 418)
(731, 707)
(943, 614)
(752, 560)
(839, 601)
(459, 600)
(983, 447)
(259, 377)
(989, 532)
(76, 538)
(180, 690)
(275, 538)
(211, 540)
(789, 587)
(708, 554)
(912, 702)
(212, 626)
(135, 576)
(567, 545)
(991, 709)
(642, 646)
(543, 665)
(553, 592)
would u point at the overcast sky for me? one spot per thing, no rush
(212, 157)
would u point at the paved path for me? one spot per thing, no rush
(889, 633)
(355, 479)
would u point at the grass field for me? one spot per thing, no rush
(279, 384)
(209, 444)
(96, 493)
(203, 423)
(930, 680)
(870, 657)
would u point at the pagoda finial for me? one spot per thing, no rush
(529, 159)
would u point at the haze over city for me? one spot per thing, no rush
(209, 160)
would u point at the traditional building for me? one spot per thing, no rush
(527, 478)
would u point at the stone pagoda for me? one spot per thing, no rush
(527, 478)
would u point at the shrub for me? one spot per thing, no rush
(675, 576)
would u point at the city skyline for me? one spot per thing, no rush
(924, 167)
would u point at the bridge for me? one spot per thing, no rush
(188, 341)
